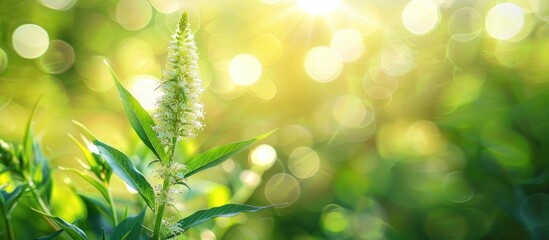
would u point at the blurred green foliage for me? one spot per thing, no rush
(397, 119)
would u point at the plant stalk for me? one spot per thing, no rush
(160, 213)
(113, 209)
(41, 203)
(9, 230)
(165, 188)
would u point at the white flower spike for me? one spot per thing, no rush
(180, 110)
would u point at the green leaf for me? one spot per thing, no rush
(41, 172)
(28, 140)
(202, 216)
(101, 168)
(51, 236)
(130, 228)
(10, 199)
(140, 120)
(92, 181)
(124, 168)
(97, 204)
(73, 231)
(217, 155)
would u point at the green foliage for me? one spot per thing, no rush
(27, 165)
(8, 200)
(125, 169)
(95, 162)
(51, 236)
(73, 231)
(95, 183)
(217, 155)
(130, 228)
(202, 216)
(140, 120)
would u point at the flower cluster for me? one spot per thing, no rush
(180, 110)
(170, 227)
(174, 174)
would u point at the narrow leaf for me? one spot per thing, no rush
(97, 204)
(202, 216)
(51, 236)
(92, 181)
(11, 198)
(101, 169)
(93, 165)
(28, 139)
(42, 171)
(73, 231)
(217, 155)
(130, 228)
(125, 169)
(140, 120)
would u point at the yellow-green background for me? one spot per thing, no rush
(408, 124)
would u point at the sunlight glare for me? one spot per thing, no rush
(322, 64)
(421, 16)
(348, 44)
(143, 89)
(318, 7)
(504, 21)
(263, 155)
(245, 70)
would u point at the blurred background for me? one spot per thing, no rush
(422, 119)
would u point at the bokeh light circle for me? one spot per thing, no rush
(245, 70)
(263, 155)
(316, 7)
(421, 16)
(95, 74)
(166, 6)
(456, 188)
(250, 178)
(58, 58)
(60, 5)
(351, 112)
(504, 21)
(143, 89)
(133, 14)
(396, 60)
(465, 24)
(30, 41)
(534, 209)
(322, 64)
(282, 188)
(303, 162)
(336, 222)
(348, 44)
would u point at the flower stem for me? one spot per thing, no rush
(160, 213)
(41, 203)
(113, 209)
(9, 230)
(165, 189)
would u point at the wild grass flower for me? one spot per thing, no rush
(180, 110)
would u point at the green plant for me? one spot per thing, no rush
(178, 117)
